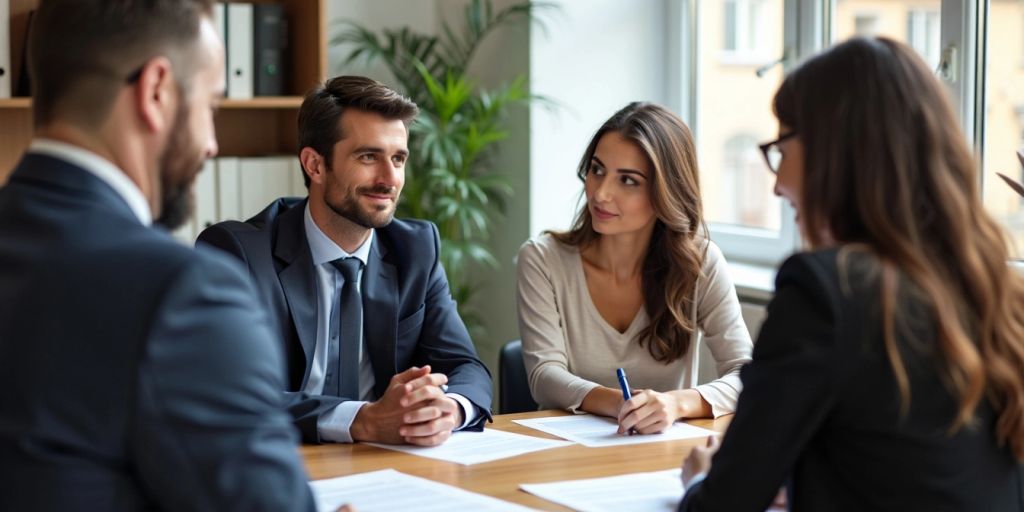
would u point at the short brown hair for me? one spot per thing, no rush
(81, 52)
(321, 111)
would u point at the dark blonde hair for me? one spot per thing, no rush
(888, 171)
(674, 257)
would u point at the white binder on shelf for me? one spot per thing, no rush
(5, 49)
(264, 179)
(220, 20)
(298, 188)
(228, 190)
(186, 234)
(240, 51)
(205, 194)
(204, 209)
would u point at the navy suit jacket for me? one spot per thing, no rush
(409, 316)
(135, 372)
(820, 409)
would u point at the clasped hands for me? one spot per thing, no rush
(413, 410)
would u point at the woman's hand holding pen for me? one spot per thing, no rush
(648, 412)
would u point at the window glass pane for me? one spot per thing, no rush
(729, 26)
(915, 22)
(1004, 115)
(738, 37)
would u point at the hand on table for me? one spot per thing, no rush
(648, 412)
(414, 410)
(699, 460)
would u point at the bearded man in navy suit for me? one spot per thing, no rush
(135, 373)
(375, 347)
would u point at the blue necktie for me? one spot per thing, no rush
(342, 377)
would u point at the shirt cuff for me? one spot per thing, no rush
(698, 478)
(335, 425)
(469, 413)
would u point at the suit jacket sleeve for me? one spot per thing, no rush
(304, 408)
(445, 344)
(210, 433)
(788, 391)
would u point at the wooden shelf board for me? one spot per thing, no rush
(266, 102)
(16, 103)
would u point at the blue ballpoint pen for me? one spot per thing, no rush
(624, 384)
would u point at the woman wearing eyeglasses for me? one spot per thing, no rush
(889, 374)
(635, 284)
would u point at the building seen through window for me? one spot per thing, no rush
(737, 37)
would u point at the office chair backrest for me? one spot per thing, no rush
(513, 386)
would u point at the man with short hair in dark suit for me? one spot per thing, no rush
(375, 347)
(135, 373)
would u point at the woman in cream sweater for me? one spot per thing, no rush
(634, 284)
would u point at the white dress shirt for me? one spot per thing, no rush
(102, 169)
(336, 424)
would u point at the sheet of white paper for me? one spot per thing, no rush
(658, 491)
(598, 431)
(388, 490)
(475, 447)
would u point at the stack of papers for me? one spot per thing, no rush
(474, 447)
(658, 491)
(598, 431)
(388, 490)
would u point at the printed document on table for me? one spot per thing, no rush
(388, 490)
(659, 491)
(474, 447)
(598, 431)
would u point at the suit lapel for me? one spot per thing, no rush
(380, 315)
(298, 278)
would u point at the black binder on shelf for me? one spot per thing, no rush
(270, 40)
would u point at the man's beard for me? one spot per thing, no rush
(349, 207)
(179, 165)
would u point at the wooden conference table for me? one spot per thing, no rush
(501, 478)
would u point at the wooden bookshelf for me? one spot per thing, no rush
(260, 126)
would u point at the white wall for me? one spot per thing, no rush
(598, 56)
(421, 16)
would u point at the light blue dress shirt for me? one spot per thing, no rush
(335, 425)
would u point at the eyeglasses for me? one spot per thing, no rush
(771, 152)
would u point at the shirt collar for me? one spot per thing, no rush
(324, 250)
(102, 169)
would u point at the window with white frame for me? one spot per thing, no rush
(744, 35)
(1003, 123)
(722, 100)
(865, 24)
(731, 85)
(923, 34)
(746, 186)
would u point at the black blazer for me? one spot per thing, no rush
(135, 372)
(409, 316)
(820, 405)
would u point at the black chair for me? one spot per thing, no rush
(513, 386)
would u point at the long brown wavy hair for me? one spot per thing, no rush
(888, 171)
(674, 256)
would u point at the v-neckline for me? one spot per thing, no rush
(582, 276)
